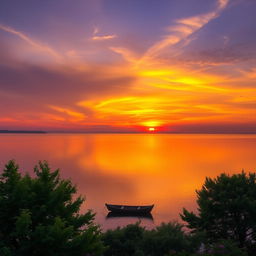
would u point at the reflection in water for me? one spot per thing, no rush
(137, 216)
(134, 169)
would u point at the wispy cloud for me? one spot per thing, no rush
(125, 53)
(185, 28)
(37, 45)
(105, 37)
(97, 37)
(181, 31)
(77, 116)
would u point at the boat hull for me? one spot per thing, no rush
(129, 209)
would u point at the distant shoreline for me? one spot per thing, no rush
(13, 131)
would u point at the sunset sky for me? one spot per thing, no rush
(128, 65)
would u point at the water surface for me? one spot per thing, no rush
(163, 169)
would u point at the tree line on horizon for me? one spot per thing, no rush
(40, 216)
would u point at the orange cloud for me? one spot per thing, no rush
(76, 116)
(105, 37)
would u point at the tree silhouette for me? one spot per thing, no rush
(226, 209)
(39, 216)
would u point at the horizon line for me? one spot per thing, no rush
(121, 132)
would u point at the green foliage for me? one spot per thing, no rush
(39, 216)
(136, 240)
(165, 238)
(226, 209)
(124, 241)
(225, 247)
(220, 248)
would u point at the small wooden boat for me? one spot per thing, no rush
(132, 209)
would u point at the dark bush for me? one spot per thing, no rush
(136, 240)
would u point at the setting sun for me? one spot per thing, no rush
(151, 129)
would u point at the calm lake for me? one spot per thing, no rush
(163, 169)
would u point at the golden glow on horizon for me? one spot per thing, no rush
(155, 73)
(151, 129)
(152, 123)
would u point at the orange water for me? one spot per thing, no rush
(141, 169)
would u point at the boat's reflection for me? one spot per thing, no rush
(130, 215)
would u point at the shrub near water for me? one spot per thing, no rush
(133, 239)
(168, 237)
(165, 240)
(124, 241)
(225, 247)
